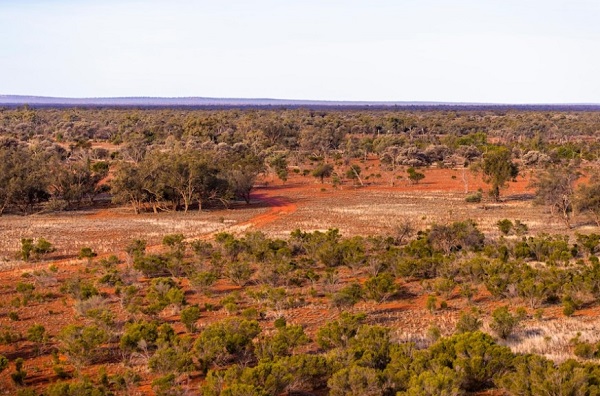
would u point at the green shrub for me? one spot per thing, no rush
(380, 287)
(138, 334)
(534, 375)
(356, 380)
(431, 303)
(339, 332)
(80, 343)
(151, 265)
(474, 198)
(468, 322)
(3, 363)
(222, 341)
(584, 350)
(503, 322)
(79, 289)
(348, 296)
(189, 317)
(174, 356)
(79, 388)
(86, 253)
(19, 375)
(569, 306)
(474, 361)
(505, 226)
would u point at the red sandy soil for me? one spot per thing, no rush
(284, 201)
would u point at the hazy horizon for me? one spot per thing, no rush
(467, 51)
(229, 101)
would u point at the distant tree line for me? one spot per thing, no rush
(175, 159)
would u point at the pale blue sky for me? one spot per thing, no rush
(503, 51)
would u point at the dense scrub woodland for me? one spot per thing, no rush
(275, 252)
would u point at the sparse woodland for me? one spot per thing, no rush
(311, 312)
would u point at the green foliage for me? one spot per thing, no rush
(381, 287)
(468, 322)
(36, 333)
(19, 374)
(80, 343)
(203, 280)
(9, 337)
(222, 341)
(414, 176)
(587, 199)
(354, 172)
(444, 286)
(79, 289)
(162, 293)
(290, 374)
(152, 265)
(26, 291)
(280, 165)
(551, 248)
(282, 343)
(474, 198)
(498, 169)
(534, 375)
(569, 306)
(173, 356)
(456, 236)
(166, 386)
(173, 240)
(503, 322)
(474, 361)
(505, 226)
(434, 333)
(136, 248)
(239, 272)
(520, 228)
(38, 249)
(440, 382)
(589, 242)
(78, 388)
(86, 252)
(26, 392)
(322, 171)
(3, 363)
(139, 336)
(356, 380)
(431, 303)
(348, 296)
(370, 347)
(111, 278)
(189, 317)
(339, 332)
(533, 286)
(555, 189)
(585, 350)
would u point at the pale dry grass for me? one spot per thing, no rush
(109, 231)
(551, 338)
(370, 212)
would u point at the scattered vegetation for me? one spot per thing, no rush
(315, 311)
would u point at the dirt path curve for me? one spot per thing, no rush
(279, 206)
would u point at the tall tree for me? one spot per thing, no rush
(128, 187)
(555, 189)
(587, 198)
(498, 169)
